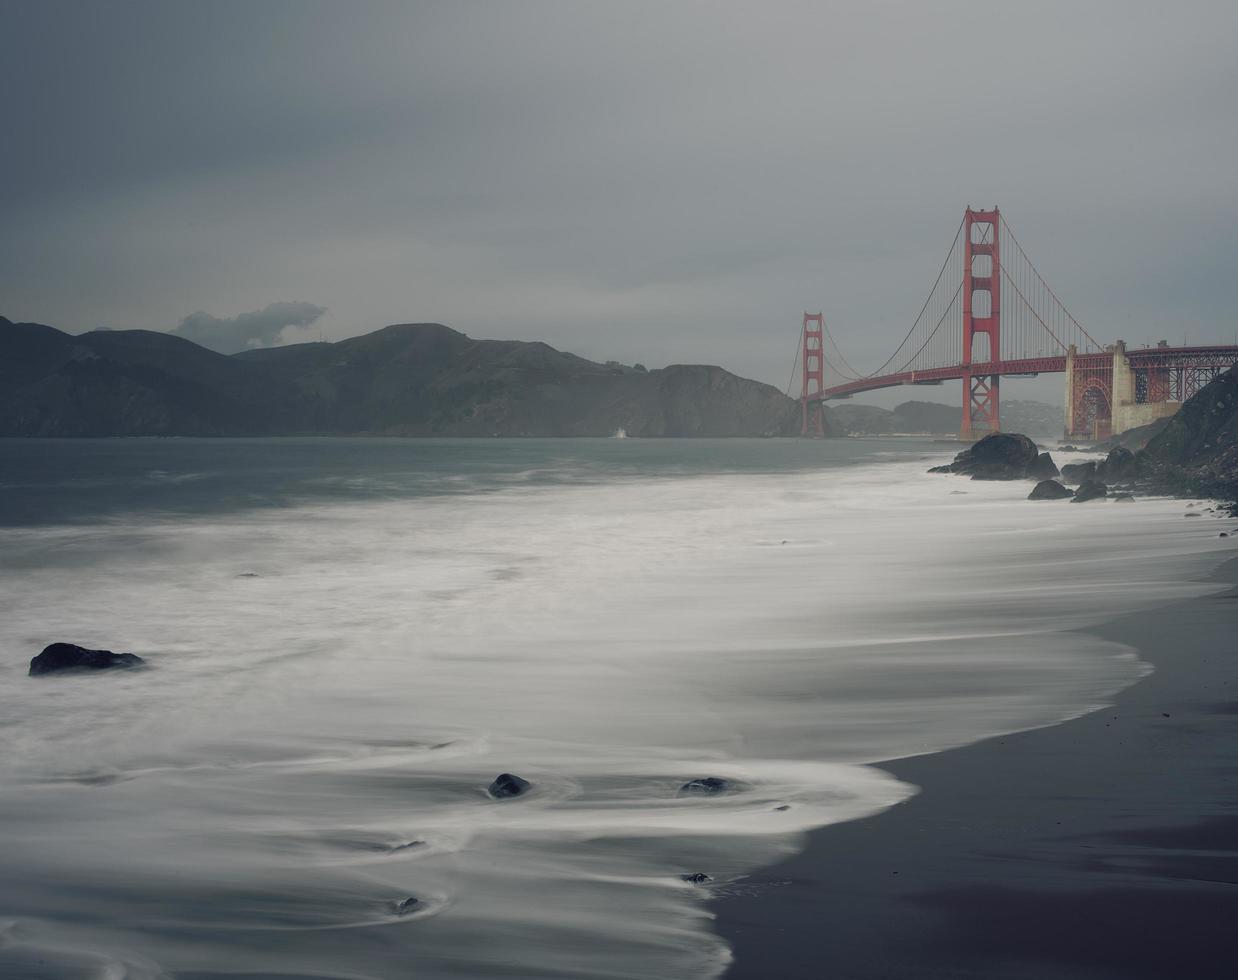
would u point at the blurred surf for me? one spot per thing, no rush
(349, 639)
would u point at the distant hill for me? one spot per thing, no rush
(934, 418)
(406, 379)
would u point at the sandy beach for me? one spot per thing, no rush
(1103, 847)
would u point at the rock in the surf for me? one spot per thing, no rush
(1124, 498)
(1079, 472)
(708, 786)
(1120, 464)
(1049, 490)
(63, 657)
(407, 906)
(1042, 468)
(697, 878)
(1090, 490)
(506, 786)
(998, 456)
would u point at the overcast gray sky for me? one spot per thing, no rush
(653, 182)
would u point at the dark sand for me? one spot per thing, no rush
(1106, 846)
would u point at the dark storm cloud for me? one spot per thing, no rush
(646, 181)
(262, 328)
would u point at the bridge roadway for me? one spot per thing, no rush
(1217, 356)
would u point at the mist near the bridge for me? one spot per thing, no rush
(640, 181)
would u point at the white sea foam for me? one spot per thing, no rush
(312, 744)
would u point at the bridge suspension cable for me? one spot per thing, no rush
(1035, 323)
(1039, 306)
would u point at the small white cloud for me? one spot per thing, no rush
(262, 328)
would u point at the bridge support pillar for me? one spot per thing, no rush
(981, 405)
(982, 295)
(1069, 429)
(813, 359)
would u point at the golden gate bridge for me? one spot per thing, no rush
(991, 315)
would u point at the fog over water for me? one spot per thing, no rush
(348, 639)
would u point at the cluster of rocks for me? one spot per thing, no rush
(1011, 456)
(507, 786)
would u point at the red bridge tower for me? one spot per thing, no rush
(982, 293)
(814, 375)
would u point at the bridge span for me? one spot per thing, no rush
(987, 318)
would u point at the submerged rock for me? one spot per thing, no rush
(407, 906)
(505, 786)
(69, 656)
(1192, 513)
(1090, 490)
(709, 785)
(1049, 490)
(697, 878)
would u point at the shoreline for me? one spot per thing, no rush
(1105, 846)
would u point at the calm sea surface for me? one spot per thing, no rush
(348, 639)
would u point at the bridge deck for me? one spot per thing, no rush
(1143, 357)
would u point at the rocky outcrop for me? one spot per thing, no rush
(998, 456)
(1049, 490)
(67, 657)
(1197, 452)
(1090, 490)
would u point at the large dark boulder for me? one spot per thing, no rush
(1118, 465)
(63, 657)
(506, 786)
(1079, 472)
(998, 456)
(1042, 468)
(1049, 490)
(1090, 490)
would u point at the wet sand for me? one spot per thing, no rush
(1104, 847)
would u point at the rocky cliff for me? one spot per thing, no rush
(1197, 451)
(406, 379)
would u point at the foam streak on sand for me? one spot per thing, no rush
(312, 745)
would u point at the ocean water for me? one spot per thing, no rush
(348, 639)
